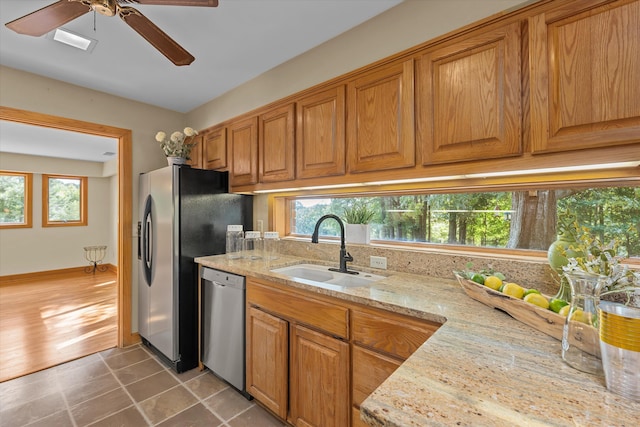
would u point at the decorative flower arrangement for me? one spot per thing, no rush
(602, 259)
(179, 144)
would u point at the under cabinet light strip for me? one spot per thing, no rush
(617, 165)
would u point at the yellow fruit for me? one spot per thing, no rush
(514, 290)
(564, 311)
(537, 299)
(493, 282)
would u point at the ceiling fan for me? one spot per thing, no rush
(57, 14)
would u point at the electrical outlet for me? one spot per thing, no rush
(378, 262)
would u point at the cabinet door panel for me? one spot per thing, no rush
(381, 119)
(267, 360)
(369, 371)
(321, 134)
(319, 379)
(276, 138)
(585, 89)
(243, 144)
(215, 149)
(397, 336)
(469, 98)
(196, 160)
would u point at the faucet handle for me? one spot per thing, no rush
(348, 257)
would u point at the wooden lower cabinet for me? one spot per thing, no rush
(313, 359)
(267, 349)
(319, 379)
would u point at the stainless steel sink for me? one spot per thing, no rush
(320, 274)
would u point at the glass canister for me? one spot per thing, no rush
(580, 339)
(253, 248)
(235, 239)
(271, 245)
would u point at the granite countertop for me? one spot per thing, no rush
(480, 368)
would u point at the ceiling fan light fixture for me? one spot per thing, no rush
(72, 39)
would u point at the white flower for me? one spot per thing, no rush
(177, 137)
(189, 131)
(160, 136)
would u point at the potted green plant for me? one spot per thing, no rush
(177, 147)
(357, 217)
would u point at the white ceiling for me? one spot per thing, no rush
(232, 43)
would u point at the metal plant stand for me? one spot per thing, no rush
(95, 255)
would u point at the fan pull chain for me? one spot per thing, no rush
(94, 20)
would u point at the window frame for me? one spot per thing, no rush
(28, 201)
(84, 191)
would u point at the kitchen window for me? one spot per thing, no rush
(524, 220)
(16, 191)
(64, 201)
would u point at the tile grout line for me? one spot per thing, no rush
(64, 398)
(122, 386)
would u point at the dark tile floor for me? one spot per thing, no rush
(125, 387)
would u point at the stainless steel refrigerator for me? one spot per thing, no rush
(184, 214)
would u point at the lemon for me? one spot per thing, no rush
(537, 299)
(564, 310)
(514, 290)
(493, 282)
(531, 291)
(556, 304)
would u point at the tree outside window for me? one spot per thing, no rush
(64, 201)
(15, 199)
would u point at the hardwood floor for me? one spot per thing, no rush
(48, 321)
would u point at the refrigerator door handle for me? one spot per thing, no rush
(147, 241)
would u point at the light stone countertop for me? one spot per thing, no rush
(480, 368)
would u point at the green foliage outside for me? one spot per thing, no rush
(64, 199)
(12, 199)
(476, 219)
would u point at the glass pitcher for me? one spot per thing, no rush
(580, 340)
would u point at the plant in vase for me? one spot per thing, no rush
(178, 145)
(357, 217)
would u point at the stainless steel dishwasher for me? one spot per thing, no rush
(223, 326)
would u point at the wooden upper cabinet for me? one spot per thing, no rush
(320, 133)
(469, 98)
(585, 75)
(215, 149)
(276, 144)
(380, 125)
(196, 157)
(243, 146)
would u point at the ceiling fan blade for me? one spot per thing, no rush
(203, 3)
(154, 35)
(49, 17)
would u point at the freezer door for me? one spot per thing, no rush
(157, 284)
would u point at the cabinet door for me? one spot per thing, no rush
(585, 68)
(469, 98)
(370, 369)
(276, 138)
(319, 372)
(380, 125)
(215, 149)
(195, 160)
(267, 360)
(320, 133)
(243, 145)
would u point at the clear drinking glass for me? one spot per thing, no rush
(580, 340)
(620, 347)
